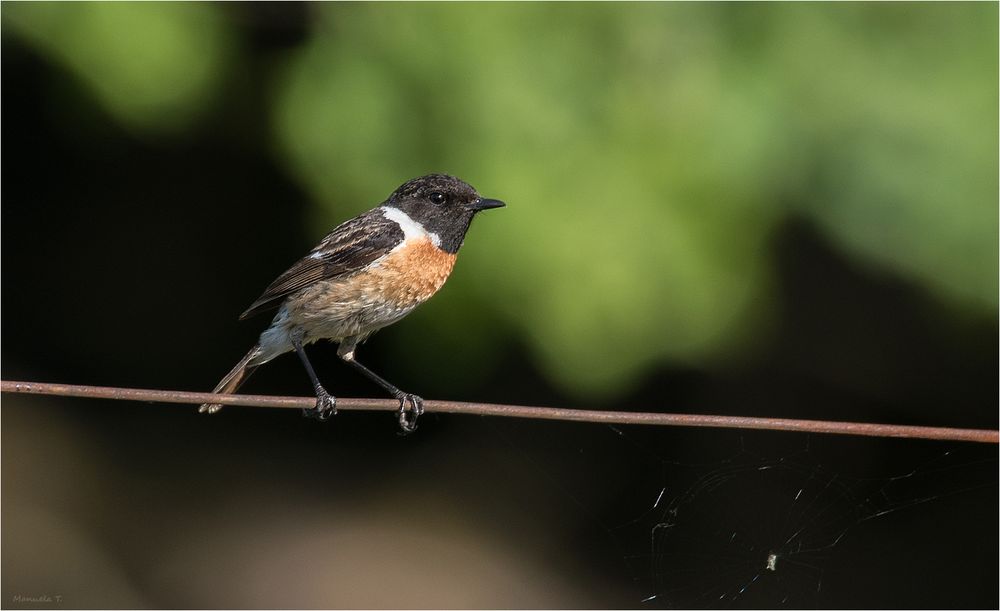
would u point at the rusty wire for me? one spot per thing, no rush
(517, 411)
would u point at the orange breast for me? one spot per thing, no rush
(413, 273)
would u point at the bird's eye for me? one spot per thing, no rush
(437, 198)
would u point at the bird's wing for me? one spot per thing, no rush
(347, 249)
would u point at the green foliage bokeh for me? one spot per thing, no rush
(647, 152)
(154, 66)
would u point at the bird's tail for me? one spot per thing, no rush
(234, 379)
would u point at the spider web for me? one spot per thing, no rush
(757, 531)
(771, 520)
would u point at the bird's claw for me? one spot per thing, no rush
(326, 406)
(408, 417)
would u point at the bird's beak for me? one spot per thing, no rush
(485, 204)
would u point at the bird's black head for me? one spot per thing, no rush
(442, 204)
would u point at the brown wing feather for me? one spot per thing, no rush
(349, 248)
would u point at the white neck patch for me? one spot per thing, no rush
(411, 228)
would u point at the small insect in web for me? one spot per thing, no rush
(772, 562)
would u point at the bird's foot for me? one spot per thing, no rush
(408, 416)
(326, 406)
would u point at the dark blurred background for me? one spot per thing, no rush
(769, 210)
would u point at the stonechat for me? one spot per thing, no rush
(369, 272)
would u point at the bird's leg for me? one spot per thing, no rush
(407, 414)
(326, 404)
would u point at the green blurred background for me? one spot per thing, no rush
(756, 209)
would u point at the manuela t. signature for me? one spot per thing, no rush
(41, 599)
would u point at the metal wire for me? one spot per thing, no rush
(516, 411)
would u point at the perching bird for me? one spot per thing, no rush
(366, 274)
